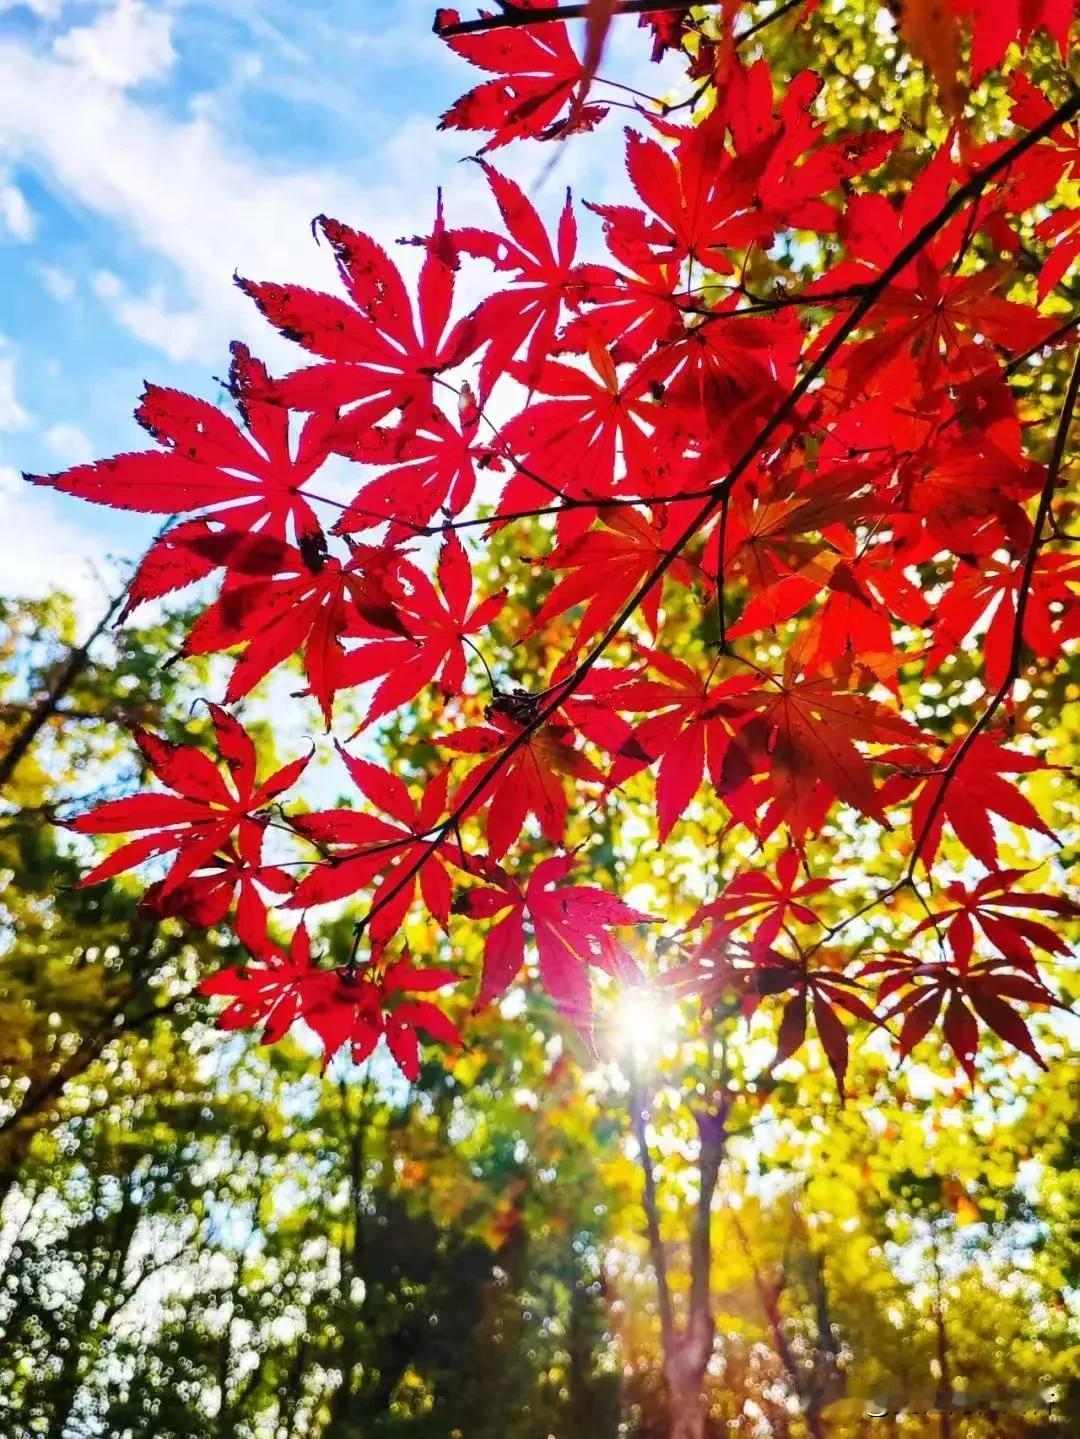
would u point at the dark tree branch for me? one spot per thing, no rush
(657, 1256)
(48, 705)
(975, 185)
(514, 17)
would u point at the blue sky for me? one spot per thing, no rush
(149, 148)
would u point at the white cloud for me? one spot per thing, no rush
(106, 286)
(191, 198)
(44, 553)
(184, 192)
(12, 414)
(149, 317)
(56, 283)
(69, 444)
(16, 217)
(126, 45)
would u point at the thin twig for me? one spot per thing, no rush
(514, 17)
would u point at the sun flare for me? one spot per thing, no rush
(641, 1023)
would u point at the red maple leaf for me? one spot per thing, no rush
(275, 606)
(207, 895)
(588, 439)
(691, 723)
(570, 926)
(968, 993)
(537, 74)
(377, 1002)
(248, 480)
(344, 1006)
(990, 588)
(545, 280)
(995, 24)
(205, 810)
(360, 848)
(434, 633)
(667, 29)
(972, 487)
(756, 896)
(1061, 232)
(372, 356)
(991, 906)
(740, 175)
(803, 730)
(777, 544)
(608, 565)
(432, 467)
(732, 362)
(822, 992)
(862, 469)
(534, 780)
(929, 320)
(964, 797)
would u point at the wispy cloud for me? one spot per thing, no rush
(123, 46)
(16, 217)
(12, 414)
(186, 194)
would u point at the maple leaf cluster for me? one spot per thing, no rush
(835, 475)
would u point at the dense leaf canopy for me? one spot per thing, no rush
(798, 408)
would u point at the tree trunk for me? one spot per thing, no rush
(769, 1292)
(341, 1424)
(106, 1242)
(684, 1369)
(828, 1379)
(687, 1349)
(291, 1391)
(686, 1412)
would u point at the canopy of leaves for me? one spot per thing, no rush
(797, 408)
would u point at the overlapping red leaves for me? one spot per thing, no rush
(834, 474)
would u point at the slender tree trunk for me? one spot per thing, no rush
(687, 1348)
(684, 1370)
(226, 1413)
(828, 1380)
(638, 1119)
(49, 703)
(16, 1318)
(108, 1247)
(291, 1392)
(577, 1342)
(341, 1425)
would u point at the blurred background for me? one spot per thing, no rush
(203, 1236)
